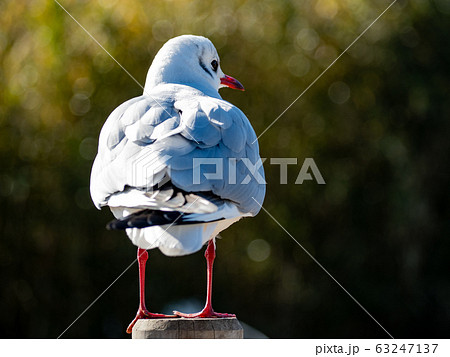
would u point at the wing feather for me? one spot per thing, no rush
(146, 140)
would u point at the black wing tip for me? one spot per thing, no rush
(146, 218)
(179, 201)
(116, 224)
(151, 218)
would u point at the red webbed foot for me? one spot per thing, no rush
(205, 313)
(145, 314)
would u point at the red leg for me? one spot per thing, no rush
(143, 313)
(207, 311)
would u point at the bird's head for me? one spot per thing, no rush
(190, 60)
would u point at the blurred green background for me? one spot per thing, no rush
(376, 124)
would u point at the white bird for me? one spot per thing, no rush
(178, 164)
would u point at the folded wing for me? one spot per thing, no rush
(150, 140)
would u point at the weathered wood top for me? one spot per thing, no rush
(214, 328)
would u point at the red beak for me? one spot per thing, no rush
(231, 82)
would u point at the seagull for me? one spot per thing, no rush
(178, 164)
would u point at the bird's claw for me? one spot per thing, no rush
(205, 313)
(145, 314)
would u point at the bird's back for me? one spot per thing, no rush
(172, 133)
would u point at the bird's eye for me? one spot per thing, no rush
(214, 65)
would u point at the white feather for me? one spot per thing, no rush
(157, 136)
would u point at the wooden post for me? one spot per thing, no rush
(188, 328)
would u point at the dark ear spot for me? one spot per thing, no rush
(204, 67)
